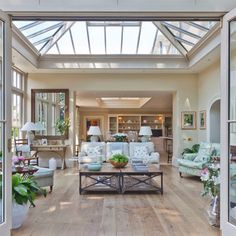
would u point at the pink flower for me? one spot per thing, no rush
(205, 171)
(17, 160)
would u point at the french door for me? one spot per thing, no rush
(5, 124)
(228, 125)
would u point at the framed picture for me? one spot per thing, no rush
(44, 141)
(188, 120)
(202, 119)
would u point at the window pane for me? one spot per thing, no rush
(113, 37)
(96, 39)
(80, 37)
(65, 44)
(147, 37)
(130, 40)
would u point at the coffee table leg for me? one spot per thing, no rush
(161, 183)
(80, 188)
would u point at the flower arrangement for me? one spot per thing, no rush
(120, 137)
(18, 160)
(210, 177)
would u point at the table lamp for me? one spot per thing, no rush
(145, 132)
(28, 127)
(94, 131)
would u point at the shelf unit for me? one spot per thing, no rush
(124, 123)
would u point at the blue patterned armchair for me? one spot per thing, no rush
(194, 163)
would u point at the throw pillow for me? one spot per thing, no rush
(140, 151)
(94, 151)
(203, 154)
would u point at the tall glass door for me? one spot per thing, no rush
(228, 125)
(5, 125)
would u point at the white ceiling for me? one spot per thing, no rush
(160, 101)
(118, 5)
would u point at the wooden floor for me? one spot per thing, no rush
(179, 211)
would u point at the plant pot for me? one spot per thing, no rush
(118, 164)
(19, 214)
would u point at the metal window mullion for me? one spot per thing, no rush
(28, 26)
(105, 39)
(154, 42)
(139, 34)
(89, 45)
(121, 42)
(72, 41)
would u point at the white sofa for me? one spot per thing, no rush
(92, 152)
(140, 151)
(101, 151)
(116, 147)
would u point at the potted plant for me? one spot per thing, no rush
(24, 191)
(119, 160)
(62, 125)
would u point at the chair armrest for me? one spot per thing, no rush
(189, 156)
(155, 157)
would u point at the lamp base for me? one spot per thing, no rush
(144, 139)
(94, 138)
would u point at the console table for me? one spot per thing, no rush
(60, 150)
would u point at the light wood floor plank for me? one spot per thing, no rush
(179, 211)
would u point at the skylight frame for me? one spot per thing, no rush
(107, 23)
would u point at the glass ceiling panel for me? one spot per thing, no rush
(113, 37)
(130, 40)
(189, 33)
(96, 40)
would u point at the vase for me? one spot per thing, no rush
(213, 211)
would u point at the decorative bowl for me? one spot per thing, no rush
(118, 164)
(94, 166)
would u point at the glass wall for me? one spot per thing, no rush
(232, 125)
(1, 126)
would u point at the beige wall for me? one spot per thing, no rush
(208, 93)
(183, 86)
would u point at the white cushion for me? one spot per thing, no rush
(140, 151)
(93, 151)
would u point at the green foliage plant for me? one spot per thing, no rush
(24, 190)
(119, 158)
(62, 125)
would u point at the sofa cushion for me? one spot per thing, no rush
(94, 151)
(204, 152)
(191, 164)
(140, 151)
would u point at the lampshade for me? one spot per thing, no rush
(145, 130)
(39, 126)
(94, 130)
(28, 126)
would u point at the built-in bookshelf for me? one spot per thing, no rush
(123, 123)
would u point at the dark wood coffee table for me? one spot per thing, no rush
(141, 181)
(105, 180)
(120, 180)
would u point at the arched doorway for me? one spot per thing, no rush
(215, 122)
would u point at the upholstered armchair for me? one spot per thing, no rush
(92, 152)
(141, 151)
(194, 163)
(117, 148)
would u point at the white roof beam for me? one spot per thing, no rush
(181, 30)
(171, 38)
(23, 46)
(63, 29)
